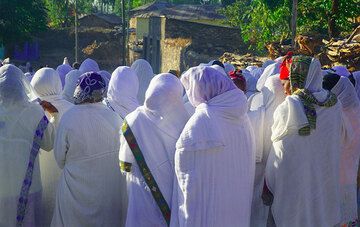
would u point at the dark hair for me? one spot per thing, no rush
(219, 63)
(76, 65)
(330, 80)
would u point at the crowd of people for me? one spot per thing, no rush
(276, 145)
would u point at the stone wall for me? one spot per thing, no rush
(172, 54)
(206, 39)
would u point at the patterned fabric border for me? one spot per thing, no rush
(25, 188)
(298, 75)
(145, 171)
(355, 223)
(125, 166)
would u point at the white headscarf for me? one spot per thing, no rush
(71, 80)
(144, 73)
(357, 82)
(204, 83)
(229, 68)
(62, 70)
(163, 102)
(296, 117)
(89, 65)
(250, 83)
(269, 71)
(122, 91)
(346, 93)
(267, 63)
(341, 70)
(46, 82)
(220, 69)
(14, 87)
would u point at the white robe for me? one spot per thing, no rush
(349, 162)
(357, 82)
(157, 126)
(122, 91)
(17, 130)
(214, 159)
(71, 80)
(262, 107)
(144, 73)
(47, 84)
(86, 147)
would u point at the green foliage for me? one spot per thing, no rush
(264, 21)
(19, 20)
(258, 23)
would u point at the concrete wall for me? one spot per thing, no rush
(172, 54)
(142, 27)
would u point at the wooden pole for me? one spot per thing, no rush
(293, 22)
(123, 32)
(76, 33)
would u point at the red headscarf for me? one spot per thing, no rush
(236, 75)
(285, 65)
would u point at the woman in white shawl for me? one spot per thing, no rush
(90, 189)
(263, 105)
(23, 130)
(144, 73)
(122, 91)
(303, 168)
(47, 85)
(62, 70)
(71, 80)
(156, 127)
(214, 159)
(89, 65)
(350, 155)
(356, 76)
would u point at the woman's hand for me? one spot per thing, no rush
(47, 106)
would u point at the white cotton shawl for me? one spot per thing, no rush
(122, 91)
(262, 106)
(269, 71)
(62, 70)
(290, 122)
(47, 84)
(250, 83)
(144, 73)
(302, 172)
(19, 119)
(357, 82)
(341, 70)
(214, 160)
(349, 162)
(71, 80)
(157, 126)
(89, 65)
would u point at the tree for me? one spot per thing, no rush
(264, 21)
(19, 20)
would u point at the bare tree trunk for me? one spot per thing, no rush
(333, 32)
(293, 22)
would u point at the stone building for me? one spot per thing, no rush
(100, 20)
(176, 37)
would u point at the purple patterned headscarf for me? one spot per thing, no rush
(91, 87)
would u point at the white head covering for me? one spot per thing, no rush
(204, 83)
(250, 83)
(46, 82)
(219, 69)
(89, 65)
(71, 80)
(122, 91)
(14, 88)
(251, 68)
(229, 68)
(270, 70)
(144, 73)
(267, 63)
(346, 93)
(62, 70)
(106, 76)
(164, 105)
(66, 61)
(357, 82)
(341, 70)
(296, 118)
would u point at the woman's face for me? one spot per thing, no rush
(286, 85)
